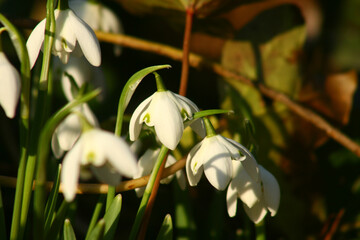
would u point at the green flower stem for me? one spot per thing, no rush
(260, 231)
(95, 216)
(159, 83)
(43, 151)
(149, 187)
(210, 131)
(110, 196)
(21, 50)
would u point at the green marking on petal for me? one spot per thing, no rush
(184, 114)
(146, 118)
(63, 41)
(90, 158)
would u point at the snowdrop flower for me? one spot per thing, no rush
(69, 130)
(69, 30)
(98, 17)
(258, 197)
(146, 163)
(269, 200)
(213, 155)
(10, 86)
(166, 112)
(102, 151)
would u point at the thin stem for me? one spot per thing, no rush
(186, 51)
(260, 231)
(151, 201)
(147, 192)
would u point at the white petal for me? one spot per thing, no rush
(181, 179)
(193, 178)
(55, 146)
(167, 120)
(249, 163)
(35, 42)
(146, 163)
(218, 170)
(233, 150)
(257, 212)
(136, 121)
(185, 110)
(248, 190)
(118, 153)
(196, 156)
(231, 200)
(70, 172)
(198, 126)
(87, 40)
(10, 86)
(271, 190)
(93, 152)
(68, 131)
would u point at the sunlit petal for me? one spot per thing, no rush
(35, 41)
(10, 86)
(87, 39)
(136, 121)
(257, 212)
(271, 190)
(70, 172)
(231, 200)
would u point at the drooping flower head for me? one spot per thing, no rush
(70, 29)
(213, 155)
(9, 86)
(258, 197)
(166, 112)
(99, 17)
(108, 156)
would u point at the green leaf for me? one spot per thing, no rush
(98, 232)
(95, 216)
(68, 231)
(211, 112)
(129, 90)
(56, 223)
(51, 203)
(166, 230)
(111, 217)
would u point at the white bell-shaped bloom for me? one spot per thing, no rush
(69, 30)
(258, 196)
(146, 164)
(269, 200)
(213, 155)
(99, 150)
(166, 112)
(69, 130)
(99, 17)
(9, 86)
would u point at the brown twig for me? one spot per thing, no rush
(186, 51)
(334, 226)
(93, 188)
(197, 61)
